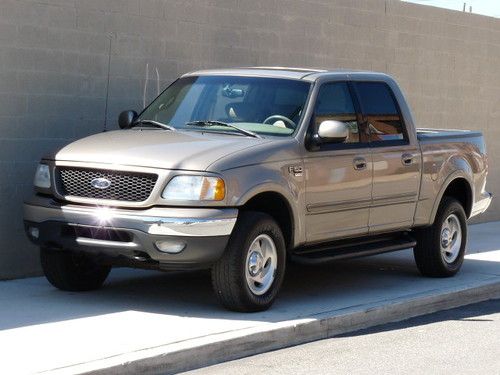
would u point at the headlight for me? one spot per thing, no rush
(195, 188)
(42, 176)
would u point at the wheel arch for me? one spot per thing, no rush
(276, 205)
(457, 186)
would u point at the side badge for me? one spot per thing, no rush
(296, 170)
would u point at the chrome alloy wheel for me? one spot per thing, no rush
(451, 238)
(261, 264)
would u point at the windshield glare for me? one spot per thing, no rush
(266, 106)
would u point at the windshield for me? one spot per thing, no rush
(265, 106)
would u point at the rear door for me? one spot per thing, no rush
(396, 161)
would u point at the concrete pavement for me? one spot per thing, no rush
(160, 323)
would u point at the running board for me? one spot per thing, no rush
(353, 248)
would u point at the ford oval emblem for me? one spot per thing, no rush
(100, 183)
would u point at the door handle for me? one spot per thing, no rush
(359, 163)
(407, 159)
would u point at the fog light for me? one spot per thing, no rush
(34, 232)
(169, 246)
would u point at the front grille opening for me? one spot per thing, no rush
(96, 233)
(123, 186)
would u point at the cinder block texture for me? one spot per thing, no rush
(53, 64)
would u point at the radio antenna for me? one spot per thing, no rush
(110, 37)
(145, 86)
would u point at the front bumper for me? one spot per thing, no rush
(192, 237)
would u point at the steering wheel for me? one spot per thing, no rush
(285, 119)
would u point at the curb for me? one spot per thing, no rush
(227, 346)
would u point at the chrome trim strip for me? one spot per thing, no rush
(361, 204)
(395, 199)
(190, 226)
(339, 206)
(104, 243)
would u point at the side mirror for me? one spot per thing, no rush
(126, 119)
(332, 131)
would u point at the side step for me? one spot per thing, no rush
(353, 248)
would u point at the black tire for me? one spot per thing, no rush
(72, 272)
(229, 273)
(428, 255)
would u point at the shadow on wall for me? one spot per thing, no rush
(61, 107)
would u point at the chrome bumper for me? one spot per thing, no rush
(200, 235)
(190, 222)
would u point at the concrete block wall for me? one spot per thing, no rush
(53, 64)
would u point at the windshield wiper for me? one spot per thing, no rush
(155, 123)
(221, 123)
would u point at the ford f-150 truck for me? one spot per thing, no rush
(242, 170)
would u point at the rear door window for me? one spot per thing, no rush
(381, 113)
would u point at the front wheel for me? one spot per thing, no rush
(72, 272)
(440, 248)
(249, 275)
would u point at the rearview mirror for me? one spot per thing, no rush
(126, 119)
(332, 131)
(230, 92)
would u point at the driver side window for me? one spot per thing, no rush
(334, 102)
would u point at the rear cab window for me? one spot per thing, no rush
(381, 113)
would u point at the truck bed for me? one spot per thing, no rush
(443, 152)
(428, 134)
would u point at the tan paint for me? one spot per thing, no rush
(329, 199)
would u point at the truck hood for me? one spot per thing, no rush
(189, 150)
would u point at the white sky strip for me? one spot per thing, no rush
(485, 7)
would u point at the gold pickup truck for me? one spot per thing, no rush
(240, 170)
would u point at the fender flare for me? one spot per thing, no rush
(460, 174)
(288, 196)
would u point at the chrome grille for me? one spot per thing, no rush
(124, 186)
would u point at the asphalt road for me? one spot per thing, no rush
(465, 340)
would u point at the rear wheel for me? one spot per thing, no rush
(72, 272)
(440, 248)
(250, 273)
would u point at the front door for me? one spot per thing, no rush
(396, 161)
(338, 175)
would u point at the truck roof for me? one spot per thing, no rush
(308, 74)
